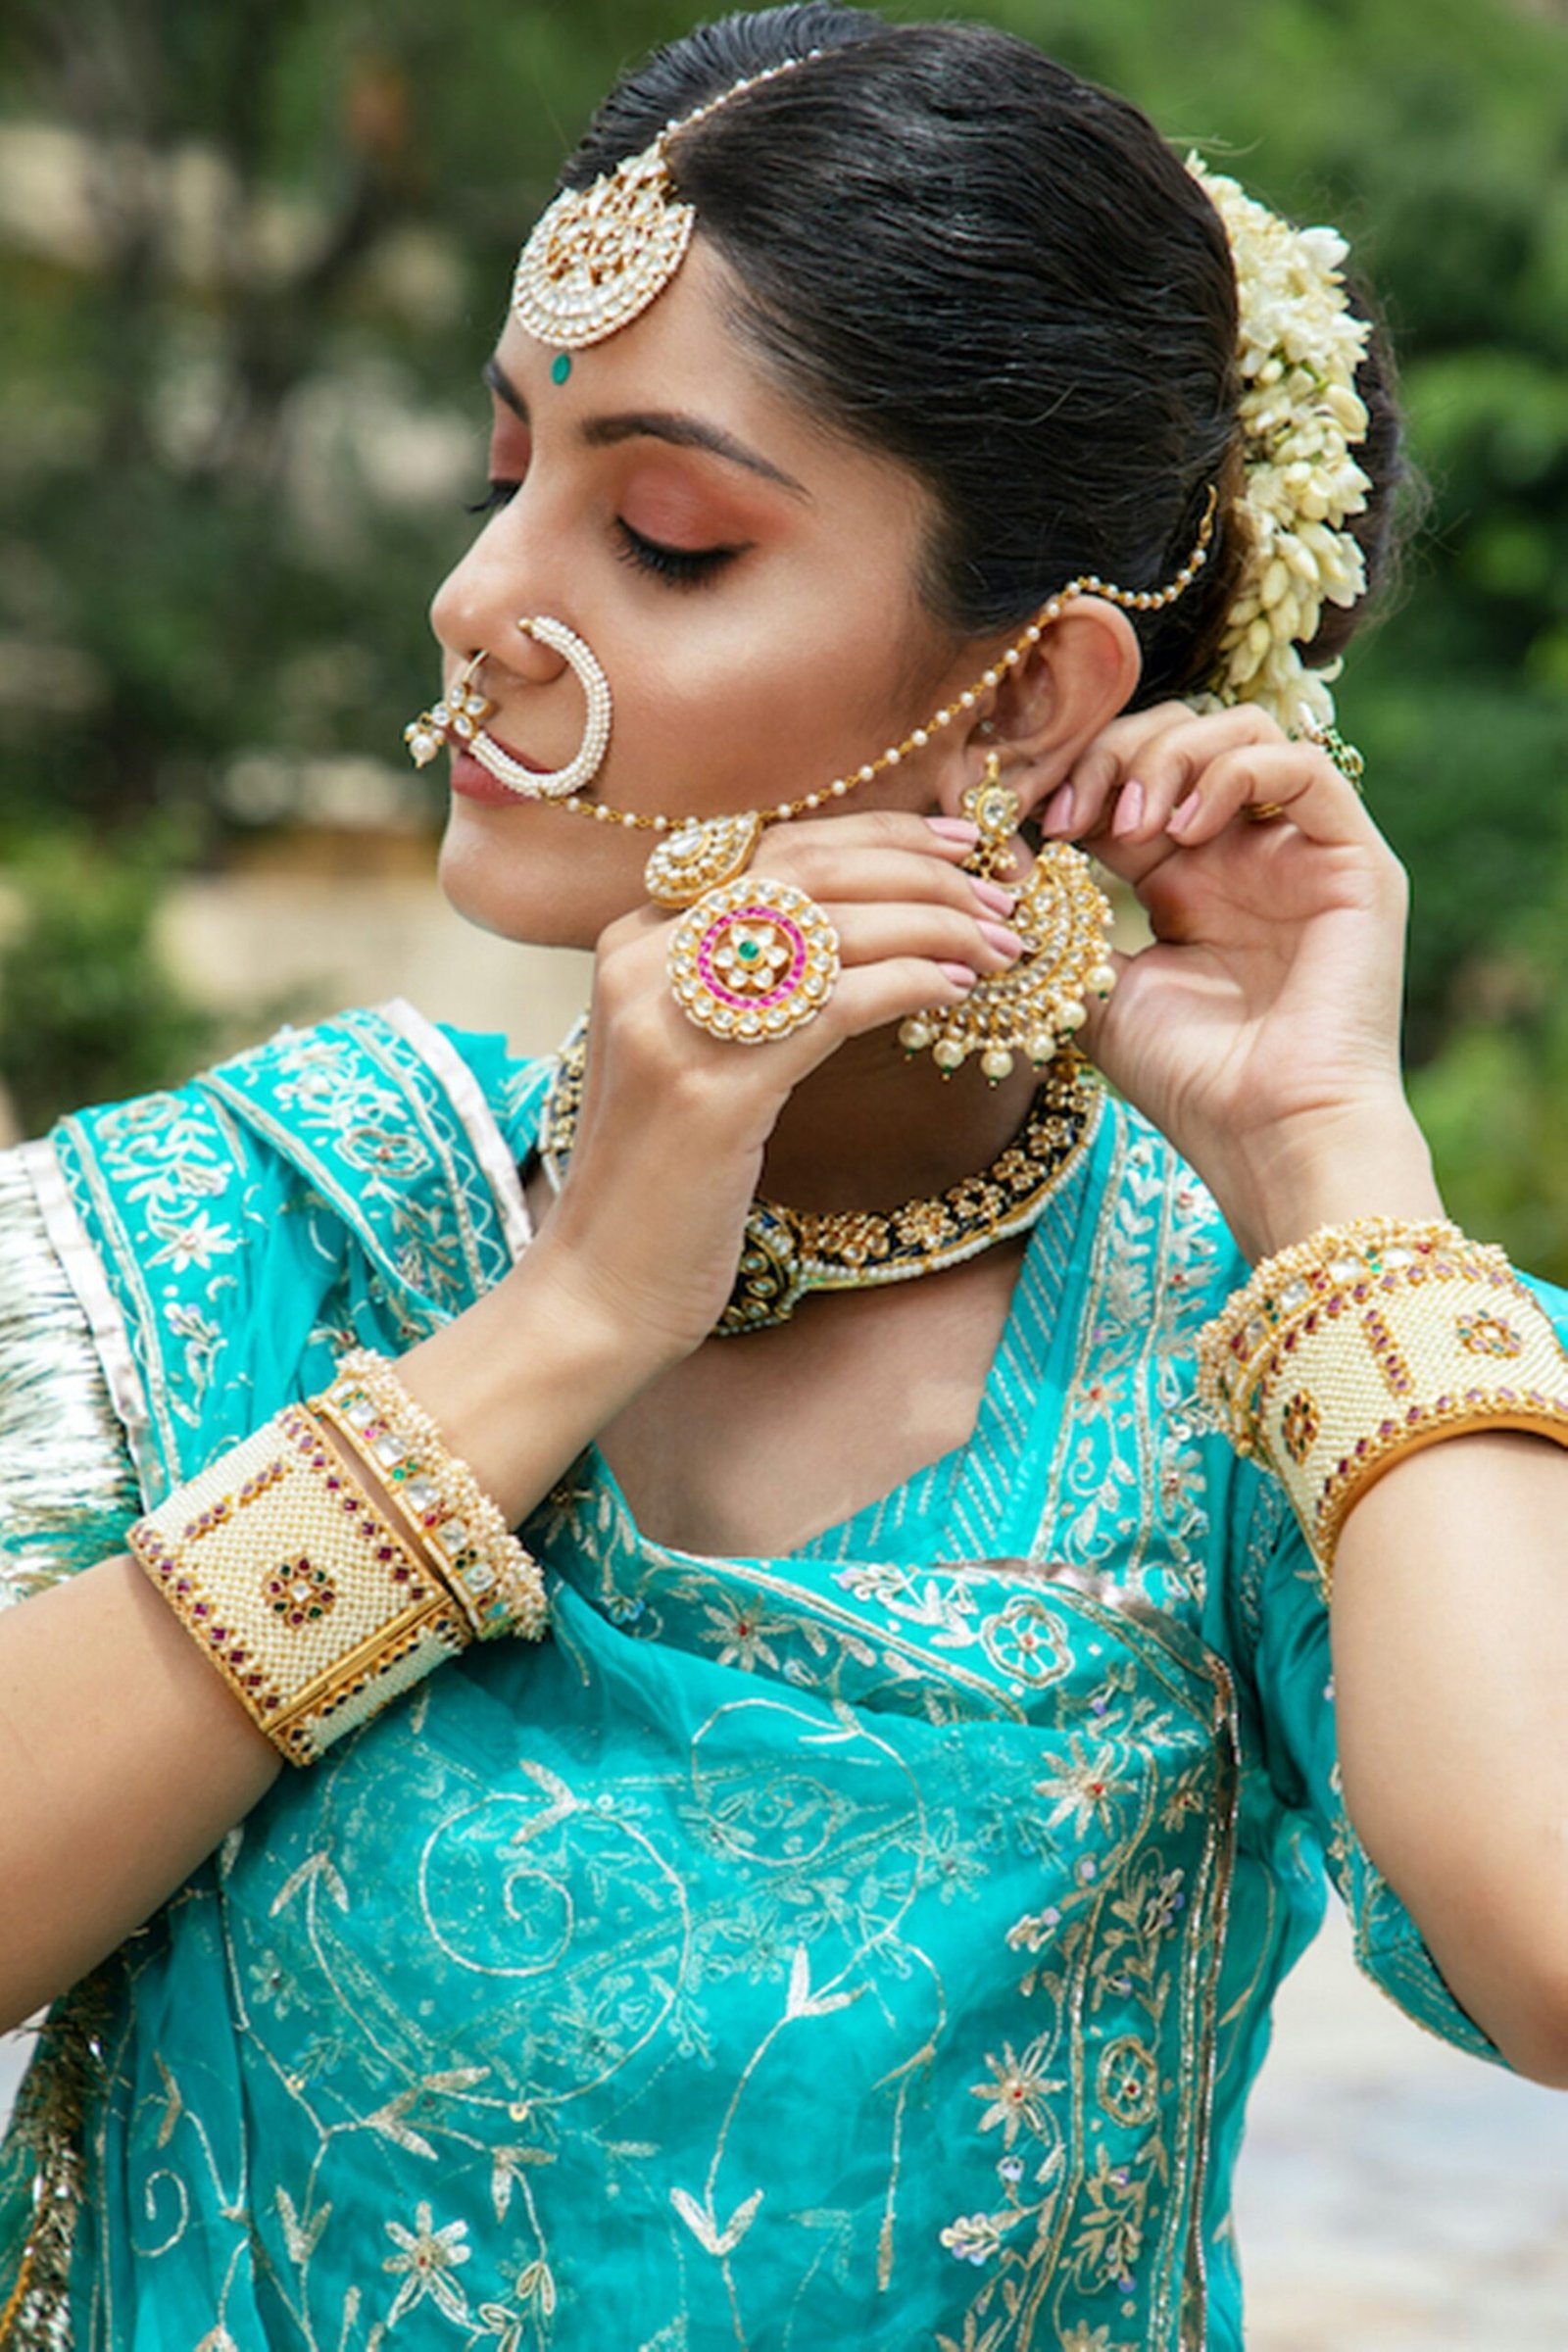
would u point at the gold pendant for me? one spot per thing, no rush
(698, 857)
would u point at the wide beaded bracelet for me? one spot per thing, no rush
(316, 1602)
(1366, 1343)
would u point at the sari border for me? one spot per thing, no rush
(84, 1270)
(472, 1112)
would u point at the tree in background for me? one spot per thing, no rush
(253, 258)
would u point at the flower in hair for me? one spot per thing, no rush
(1299, 346)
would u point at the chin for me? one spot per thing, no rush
(538, 876)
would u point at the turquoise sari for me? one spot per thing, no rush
(870, 1945)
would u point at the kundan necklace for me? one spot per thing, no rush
(787, 1252)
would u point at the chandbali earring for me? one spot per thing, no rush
(464, 709)
(1063, 916)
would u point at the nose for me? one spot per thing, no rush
(488, 602)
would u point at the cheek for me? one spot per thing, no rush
(798, 683)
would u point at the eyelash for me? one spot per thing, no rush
(677, 567)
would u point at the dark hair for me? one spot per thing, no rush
(978, 264)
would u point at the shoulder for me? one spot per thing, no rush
(369, 1111)
(353, 1181)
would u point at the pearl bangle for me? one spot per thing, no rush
(317, 1603)
(1369, 1341)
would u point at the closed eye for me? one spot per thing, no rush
(679, 567)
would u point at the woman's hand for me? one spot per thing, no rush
(647, 1232)
(1260, 1031)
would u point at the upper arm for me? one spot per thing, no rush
(1284, 1642)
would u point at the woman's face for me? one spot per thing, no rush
(747, 580)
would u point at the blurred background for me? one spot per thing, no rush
(252, 256)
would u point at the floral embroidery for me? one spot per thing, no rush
(974, 2238)
(1017, 2091)
(427, 2260)
(1082, 1787)
(953, 1831)
(741, 1629)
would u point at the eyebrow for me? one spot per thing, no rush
(655, 424)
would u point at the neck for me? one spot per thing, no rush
(871, 1128)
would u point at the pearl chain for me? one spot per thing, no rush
(1131, 600)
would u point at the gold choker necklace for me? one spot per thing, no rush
(787, 1252)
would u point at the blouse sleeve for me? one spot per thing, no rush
(67, 1489)
(1283, 1631)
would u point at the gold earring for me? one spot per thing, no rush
(995, 808)
(1063, 916)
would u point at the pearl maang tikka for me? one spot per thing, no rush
(600, 254)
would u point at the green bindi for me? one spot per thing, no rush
(561, 367)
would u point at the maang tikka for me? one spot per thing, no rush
(1062, 915)
(600, 254)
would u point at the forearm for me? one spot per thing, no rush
(125, 1756)
(123, 1760)
(1449, 1631)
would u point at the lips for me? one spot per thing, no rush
(476, 783)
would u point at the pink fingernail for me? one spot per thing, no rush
(958, 973)
(1060, 810)
(1130, 806)
(1182, 815)
(955, 828)
(992, 895)
(1006, 942)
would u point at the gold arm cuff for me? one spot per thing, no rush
(1370, 1342)
(1492, 1416)
(296, 1587)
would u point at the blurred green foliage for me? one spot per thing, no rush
(90, 1010)
(254, 255)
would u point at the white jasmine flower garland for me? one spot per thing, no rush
(1299, 347)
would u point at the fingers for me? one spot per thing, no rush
(1272, 781)
(900, 951)
(878, 996)
(1166, 778)
(886, 858)
(878, 934)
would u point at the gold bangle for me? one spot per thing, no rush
(296, 1587)
(1369, 1341)
(439, 1499)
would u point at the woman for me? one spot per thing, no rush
(859, 1913)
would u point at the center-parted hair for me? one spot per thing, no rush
(975, 263)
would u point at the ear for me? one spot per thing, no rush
(1048, 708)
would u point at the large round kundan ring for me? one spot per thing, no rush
(752, 960)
